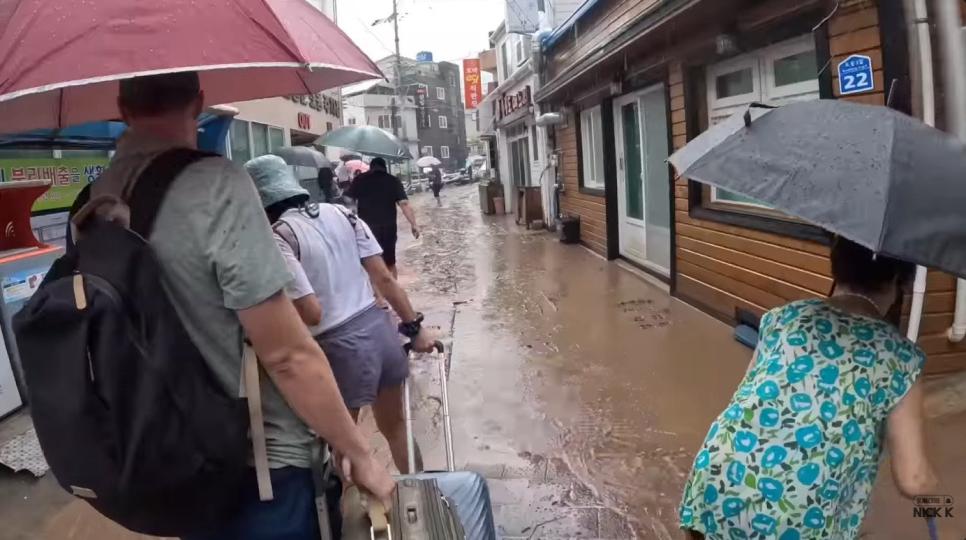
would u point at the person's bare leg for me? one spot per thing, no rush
(389, 411)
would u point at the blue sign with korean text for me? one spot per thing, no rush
(855, 75)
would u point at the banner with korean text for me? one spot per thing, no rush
(472, 84)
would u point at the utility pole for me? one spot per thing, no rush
(397, 83)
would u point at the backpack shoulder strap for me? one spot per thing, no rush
(286, 232)
(151, 187)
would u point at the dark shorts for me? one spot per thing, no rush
(386, 236)
(366, 356)
(291, 515)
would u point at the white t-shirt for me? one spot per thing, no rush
(329, 261)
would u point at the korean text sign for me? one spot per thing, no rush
(472, 85)
(67, 176)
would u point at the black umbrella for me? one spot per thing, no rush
(871, 174)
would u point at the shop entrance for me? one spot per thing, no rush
(640, 121)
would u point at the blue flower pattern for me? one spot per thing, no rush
(794, 455)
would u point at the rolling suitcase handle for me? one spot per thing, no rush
(447, 426)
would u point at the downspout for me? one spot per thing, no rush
(929, 117)
(949, 29)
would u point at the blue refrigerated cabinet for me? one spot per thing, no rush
(24, 262)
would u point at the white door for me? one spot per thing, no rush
(644, 197)
(630, 177)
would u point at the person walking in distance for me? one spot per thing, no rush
(323, 246)
(226, 278)
(377, 194)
(436, 183)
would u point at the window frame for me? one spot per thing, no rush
(427, 151)
(698, 118)
(592, 147)
(442, 121)
(444, 152)
(440, 93)
(780, 95)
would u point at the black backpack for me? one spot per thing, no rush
(129, 416)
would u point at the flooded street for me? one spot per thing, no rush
(576, 375)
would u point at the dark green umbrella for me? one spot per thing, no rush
(368, 140)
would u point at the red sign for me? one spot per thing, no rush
(472, 86)
(305, 121)
(510, 103)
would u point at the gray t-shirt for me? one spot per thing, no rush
(218, 256)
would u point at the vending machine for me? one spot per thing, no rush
(24, 262)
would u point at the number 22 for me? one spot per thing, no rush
(859, 80)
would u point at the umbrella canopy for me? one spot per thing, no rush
(356, 166)
(428, 161)
(303, 156)
(62, 60)
(368, 140)
(871, 174)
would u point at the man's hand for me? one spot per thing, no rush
(423, 342)
(415, 232)
(369, 476)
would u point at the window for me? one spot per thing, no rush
(440, 93)
(522, 49)
(775, 75)
(592, 149)
(452, 81)
(427, 151)
(276, 139)
(238, 139)
(444, 152)
(383, 121)
(504, 62)
(352, 121)
(443, 122)
(259, 139)
(536, 142)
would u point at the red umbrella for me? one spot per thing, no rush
(62, 60)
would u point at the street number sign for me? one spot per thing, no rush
(855, 75)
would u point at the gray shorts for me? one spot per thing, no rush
(366, 356)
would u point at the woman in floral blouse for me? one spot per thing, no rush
(795, 453)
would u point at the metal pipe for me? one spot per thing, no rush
(949, 30)
(929, 117)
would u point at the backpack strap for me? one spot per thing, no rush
(288, 234)
(149, 190)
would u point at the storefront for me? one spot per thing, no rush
(649, 76)
(264, 125)
(522, 149)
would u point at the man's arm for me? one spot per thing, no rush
(299, 290)
(402, 199)
(407, 211)
(387, 285)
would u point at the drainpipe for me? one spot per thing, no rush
(929, 117)
(949, 27)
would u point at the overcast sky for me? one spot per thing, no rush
(450, 29)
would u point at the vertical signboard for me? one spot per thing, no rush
(472, 87)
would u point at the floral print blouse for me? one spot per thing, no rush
(795, 453)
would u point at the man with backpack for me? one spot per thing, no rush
(223, 275)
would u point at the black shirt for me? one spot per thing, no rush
(377, 193)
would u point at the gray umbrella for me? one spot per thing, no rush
(303, 156)
(871, 174)
(368, 140)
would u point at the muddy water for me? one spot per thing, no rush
(559, 356)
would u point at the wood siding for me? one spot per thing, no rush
(607, 20)
(590, 208)
(724, 268)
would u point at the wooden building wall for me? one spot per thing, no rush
(590, 208)
(722, 267)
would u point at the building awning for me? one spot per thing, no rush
(645, 26)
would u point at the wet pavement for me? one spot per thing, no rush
(578, 388)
